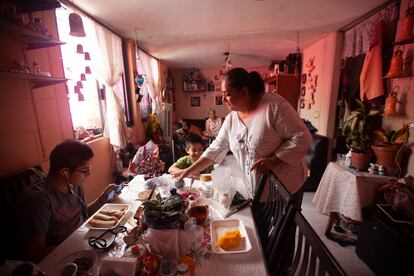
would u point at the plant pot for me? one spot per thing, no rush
(386, 156)
(360, 161)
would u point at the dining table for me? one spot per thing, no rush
(207, 262)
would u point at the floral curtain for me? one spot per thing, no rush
(107, 62)
(358, 38)
(150, 69)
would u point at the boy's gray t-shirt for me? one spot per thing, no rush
(42, 209)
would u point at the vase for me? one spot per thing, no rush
(387, 156)
(360, 161)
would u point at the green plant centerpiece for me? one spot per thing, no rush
(357, 130)
(386, 147)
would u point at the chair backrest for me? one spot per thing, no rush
(270, 208)
(311, 256)
(10, 189)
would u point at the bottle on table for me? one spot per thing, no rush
(183, 270)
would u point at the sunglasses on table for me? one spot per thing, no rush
(101, 243)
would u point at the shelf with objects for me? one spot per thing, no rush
(37, 80)
(32, 38)
(193, 81)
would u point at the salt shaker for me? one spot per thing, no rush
(191, 201)
(381, 170)
(371, 169)
(182, 269)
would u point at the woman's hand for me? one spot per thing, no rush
(265, 164)
(180, 175)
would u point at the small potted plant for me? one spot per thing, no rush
(357, 130)
(386, 146)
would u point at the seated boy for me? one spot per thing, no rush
(194, 149)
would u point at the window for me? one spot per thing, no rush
(86, 94)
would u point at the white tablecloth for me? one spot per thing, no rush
(346, 191)
(208, 263)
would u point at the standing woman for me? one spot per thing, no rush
(263, 132)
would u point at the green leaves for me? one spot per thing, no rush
(357, 127)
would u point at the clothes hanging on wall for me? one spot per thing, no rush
(371, 83)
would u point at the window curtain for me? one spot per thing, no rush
(107, 62)
(358, 38)
(150, 69)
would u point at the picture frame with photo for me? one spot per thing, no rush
(303, 91)
(303, 78)
(195, 101)
(219, 100)
(302, 103)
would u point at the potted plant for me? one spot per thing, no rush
(357, 131)
(386, 146)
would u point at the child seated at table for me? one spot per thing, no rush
(194, 148)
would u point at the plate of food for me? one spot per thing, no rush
(229, 236)
(85, 260)
(108, 216)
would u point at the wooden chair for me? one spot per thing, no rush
(311, 256)
(10, 188)
(270, 208)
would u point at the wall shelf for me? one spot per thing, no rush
(37, 80)
(31, 38)
(403, 42)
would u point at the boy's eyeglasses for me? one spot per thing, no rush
(86, 170)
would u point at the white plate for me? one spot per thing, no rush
(219, 227)
(71, 258)
(109, 207)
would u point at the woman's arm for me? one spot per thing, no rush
(196, 167)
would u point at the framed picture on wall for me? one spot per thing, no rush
(303, 91)
(302, 103)
(219, 100)
(303, 78)
(195, 101)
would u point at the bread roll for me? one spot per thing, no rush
(103, 223)
(114, 213)
(104, 217)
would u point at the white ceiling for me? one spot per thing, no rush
(195, 33)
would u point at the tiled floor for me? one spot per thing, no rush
(346, 255)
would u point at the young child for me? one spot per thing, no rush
(194, 148)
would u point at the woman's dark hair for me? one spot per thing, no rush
(239, 78)
(69, 154)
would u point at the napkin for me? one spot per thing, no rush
(164, 242)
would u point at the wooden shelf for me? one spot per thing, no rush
(403, 42)
(37, 80)
(32, 39)
(38, 5)
(399, 77)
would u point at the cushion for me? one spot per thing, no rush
(196, 130)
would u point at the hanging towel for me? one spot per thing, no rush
(371, 76)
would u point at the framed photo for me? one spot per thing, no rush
(195, 101)
(303, 78)
(302, 103)
(303, 91)
(219, 100)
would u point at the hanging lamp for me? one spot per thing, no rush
(83, 77)
(79, 49)
(87, 56)
(79, 84)
(76, 25)
(88, 70)
(81, 98)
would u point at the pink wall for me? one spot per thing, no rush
(327, 53)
